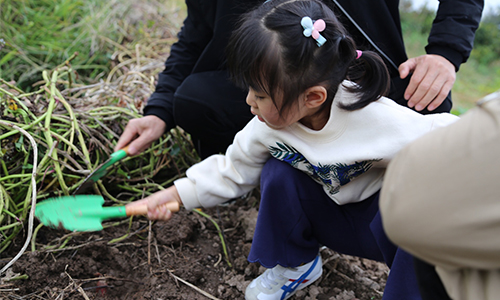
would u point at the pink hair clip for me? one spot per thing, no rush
(313, 29)
(359, 53)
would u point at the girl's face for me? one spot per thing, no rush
(262, 105)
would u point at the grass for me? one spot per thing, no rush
(40, 34)
(474, 81)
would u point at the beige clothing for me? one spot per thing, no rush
(440, 201)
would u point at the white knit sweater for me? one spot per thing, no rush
(348, 157)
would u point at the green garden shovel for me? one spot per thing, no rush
(85, 212)
(101, 170)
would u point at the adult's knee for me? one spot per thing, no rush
(210, 102)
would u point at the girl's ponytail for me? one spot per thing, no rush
(371, 76)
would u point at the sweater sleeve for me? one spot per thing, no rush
(453, 30)
(220, 178)
(193, 37)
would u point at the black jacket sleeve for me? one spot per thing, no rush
(453, 30)
(193, 37)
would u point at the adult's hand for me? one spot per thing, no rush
(432, 80)
(140, 133)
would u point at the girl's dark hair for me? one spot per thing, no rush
(269, 53)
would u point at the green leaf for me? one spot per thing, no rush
(8, 56)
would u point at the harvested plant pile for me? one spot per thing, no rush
(75, 128)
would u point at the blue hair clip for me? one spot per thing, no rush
(313, 29)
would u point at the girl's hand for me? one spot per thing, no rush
(156, 203)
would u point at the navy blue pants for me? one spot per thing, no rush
(296, 217)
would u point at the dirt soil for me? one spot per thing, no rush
(179, 259)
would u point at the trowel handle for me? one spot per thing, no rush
(134, 210)
(126, 149)
(118, 155)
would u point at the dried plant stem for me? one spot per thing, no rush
(219, 231)
(33, 196)
(193, 286)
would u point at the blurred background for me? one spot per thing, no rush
(37, 35)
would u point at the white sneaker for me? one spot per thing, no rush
(280, 283)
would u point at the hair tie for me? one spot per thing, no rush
(313, 29)
(359, 53)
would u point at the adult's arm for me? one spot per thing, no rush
(453, 30)
(193, 37)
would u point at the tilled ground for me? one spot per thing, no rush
(179, 259)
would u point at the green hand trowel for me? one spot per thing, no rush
(101, 170)
(85, 212)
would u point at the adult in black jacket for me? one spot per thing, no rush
(194, 91)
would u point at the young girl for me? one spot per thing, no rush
(320, 141)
